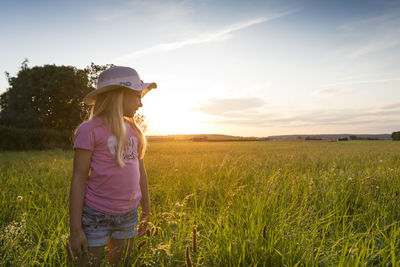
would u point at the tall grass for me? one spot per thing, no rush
(251, 203)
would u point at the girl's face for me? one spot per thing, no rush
(132, 102)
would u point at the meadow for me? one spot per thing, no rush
(283, 203)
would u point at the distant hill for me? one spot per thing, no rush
(204, 137)
(222, 137)
(331, 136)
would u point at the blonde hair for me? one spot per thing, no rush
(109, 106)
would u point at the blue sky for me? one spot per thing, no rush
(252, 68)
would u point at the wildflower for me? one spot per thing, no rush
(19, 198)
(31, 192)
(64, 237)
(188, 260)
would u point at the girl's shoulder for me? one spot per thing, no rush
(88, 133)
(90, 124)
(131, 127)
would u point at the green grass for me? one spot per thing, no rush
(321, 203)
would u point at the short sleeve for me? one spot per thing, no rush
(84, 138)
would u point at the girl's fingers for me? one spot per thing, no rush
(145, 218)
(74, 249)
(75, 253)
(85, 245)
(78, 247)
(142, 229)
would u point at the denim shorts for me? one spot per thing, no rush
(99, 227)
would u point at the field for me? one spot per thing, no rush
(252, 203)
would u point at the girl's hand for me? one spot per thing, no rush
(144, 220)
(78, 243)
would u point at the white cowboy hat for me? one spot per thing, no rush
(115, 78)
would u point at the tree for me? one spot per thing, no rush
(47, 96)
(93, 72)
(396, 136)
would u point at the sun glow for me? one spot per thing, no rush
(177, 122)
(169, 116)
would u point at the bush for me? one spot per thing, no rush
(12, 138)
(396, 136)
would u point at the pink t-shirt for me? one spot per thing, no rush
(110, 188)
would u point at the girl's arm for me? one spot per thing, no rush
(144, 187)
(76, 198)
(145, 201)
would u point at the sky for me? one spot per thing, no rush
(243, 68)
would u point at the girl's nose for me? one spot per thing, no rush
(140, 103)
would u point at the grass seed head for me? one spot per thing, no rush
(148, 232)
(310, 186)
(69, 251)
(188, 260)
(264, 231)
(194, 239)
(154, 231)
(141, 244)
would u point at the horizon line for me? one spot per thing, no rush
(166, 135)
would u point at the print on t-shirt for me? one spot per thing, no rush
(130, 149)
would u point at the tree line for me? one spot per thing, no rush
(47, 96)
(43, 102)
(396, 136)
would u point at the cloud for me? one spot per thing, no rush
(230, 107)
(368, 117)
(141, 10)
(391, 106)
(381, 43)
(209, 37)
(362, 81)
(331, 92)
(381, 33)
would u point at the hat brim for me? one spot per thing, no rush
(90, 99)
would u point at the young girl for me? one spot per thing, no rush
(109, 178)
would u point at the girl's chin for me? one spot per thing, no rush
(130, 114)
